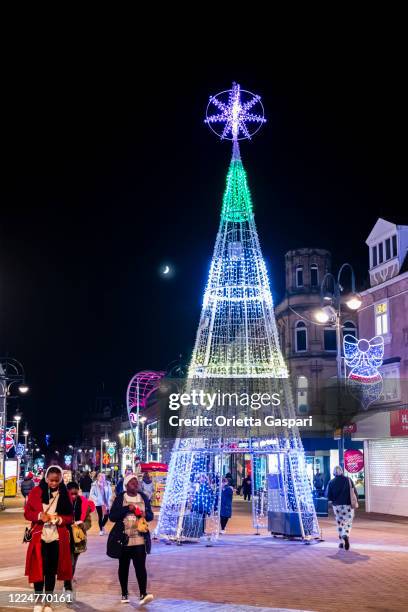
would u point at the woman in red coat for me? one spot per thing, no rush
(50, 511)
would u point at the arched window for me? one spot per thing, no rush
(300, 337)
(299, 276)
(349, 327)
(314, 275)
(302, 399)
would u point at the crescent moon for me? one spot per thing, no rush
(166, 270)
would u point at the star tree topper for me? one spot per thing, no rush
(236, 108)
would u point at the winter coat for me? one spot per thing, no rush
(338, 491)
(26, 486)
(101, 497)
(226, 502)
(246, 486)
(119, 511)
(318, 481)
(119, 486)
(34, 562)
(81, 513)
(147, 488)
(85, 482)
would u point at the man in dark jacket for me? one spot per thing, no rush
(85, 482)
(27, 484)
(318, 482)
(226, 503)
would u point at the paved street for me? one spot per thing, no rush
(243, 570)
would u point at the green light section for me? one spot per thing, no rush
(236, 204)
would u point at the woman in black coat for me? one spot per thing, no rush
(339, 493)
(130, 511)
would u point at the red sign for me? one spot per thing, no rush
(154, 466)
(399, 423)
(353, 461)
(106, 459)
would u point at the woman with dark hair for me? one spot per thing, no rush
(130, 511)
(82, 522)
(48, 556)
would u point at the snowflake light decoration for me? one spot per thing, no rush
(235, 108)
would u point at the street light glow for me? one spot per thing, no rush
(17, 418)
(321, 316)
(25, 432)
(354, 301)
(23, 388)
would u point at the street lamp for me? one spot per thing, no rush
(330, 312)
(17, 419)
(11, 372)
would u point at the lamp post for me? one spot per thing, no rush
(17, 419)
(330, 312)
(11, 373)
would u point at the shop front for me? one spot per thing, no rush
(387, 461)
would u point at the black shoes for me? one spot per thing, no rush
(346, 542)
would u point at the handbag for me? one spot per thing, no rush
(78, 534)
(117, 540)
(353, 496)
(28, 535)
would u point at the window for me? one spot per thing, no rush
(381, 318)
(301, 337)
(330, 340)
(380, 253)
(391, 390)
(388, 249)
(394, 245)
(314, 276)
(349, 328)
(374, 256)
(302, 385)
(299, 276)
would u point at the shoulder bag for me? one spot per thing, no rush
(353, 496)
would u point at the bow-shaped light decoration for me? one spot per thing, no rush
(364, 357)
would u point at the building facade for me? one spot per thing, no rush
(384, 312)
(310, 348)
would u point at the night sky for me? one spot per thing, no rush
(110, 172)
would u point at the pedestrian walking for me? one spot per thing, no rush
(82, 522)
(85, 482)
(203, 501)
(226, 503)
(130, 512)
(101, 494)
(344, 497)
(147, 486)
(48, 557)
(119, 484)
(27, 484)
(247, 488)
(318, 482)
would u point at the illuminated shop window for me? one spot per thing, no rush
(381, 318)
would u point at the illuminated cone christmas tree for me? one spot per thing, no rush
(237, 342)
